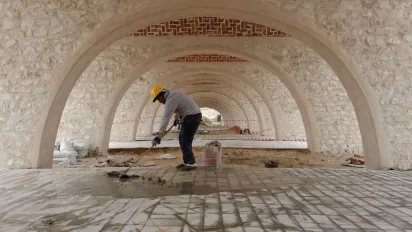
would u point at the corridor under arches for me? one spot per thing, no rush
(314, 98)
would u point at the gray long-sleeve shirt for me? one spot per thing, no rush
(179, 103)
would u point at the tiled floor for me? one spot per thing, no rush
(230, 199)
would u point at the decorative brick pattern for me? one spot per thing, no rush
(205, 83)
(210, 26)
(207, 58)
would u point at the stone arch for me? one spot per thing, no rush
(223, 81)
(375, 143)
(302, 102)
(275, 113)
(214, 91)
(215, 105)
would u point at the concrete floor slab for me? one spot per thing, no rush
(225, 144)
(270, 200)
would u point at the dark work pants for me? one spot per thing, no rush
(186, 135)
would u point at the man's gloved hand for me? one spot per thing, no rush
(156, 141)
(176, 122)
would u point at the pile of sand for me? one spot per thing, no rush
(236, 129)
(356, 160)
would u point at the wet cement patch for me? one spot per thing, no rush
(134, 188)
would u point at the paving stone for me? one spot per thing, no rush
(254, 229)
(235, 229)
(160, 229)
(212, 220)
(195, 220)
(230, 220)
(327, 200)
(249, 219)
(138, 218)
(286, 221)
(112, 228)
(324, 221)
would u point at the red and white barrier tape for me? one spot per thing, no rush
(134, 120)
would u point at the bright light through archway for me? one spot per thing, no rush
(212, 117)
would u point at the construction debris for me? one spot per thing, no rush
(166, 157)
(65, 157)
(122, 175)
(147, 164)
(66, 151)
(115, 162)
(231, 157)
(82, 148)
(48, 221)
(236, 129)
(271, 164)
(355, 161)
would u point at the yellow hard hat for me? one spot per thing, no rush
(156, 91)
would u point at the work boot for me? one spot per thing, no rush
(180, 166)
(188, 167)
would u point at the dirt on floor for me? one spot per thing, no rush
(235, 130)
(219, 132)
(230, 157)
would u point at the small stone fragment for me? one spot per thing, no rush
(113, 173)
(124, 176)
(48, 221)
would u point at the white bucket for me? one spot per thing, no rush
(66, 145)
(212, 154)
(65, 157)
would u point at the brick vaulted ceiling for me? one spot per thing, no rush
(207, 58)
(208, 26)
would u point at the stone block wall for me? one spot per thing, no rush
(35, 38)
(144, 126)
(377, 37)
(84, 110)
(124, 118)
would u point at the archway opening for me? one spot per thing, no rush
(322, 45)
(212, 117)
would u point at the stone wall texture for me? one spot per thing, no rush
(37, 36)
(124, 117)
(377, 36)
(84, 110)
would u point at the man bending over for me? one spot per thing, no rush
(189, 113)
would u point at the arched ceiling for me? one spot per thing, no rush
(208, 26)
